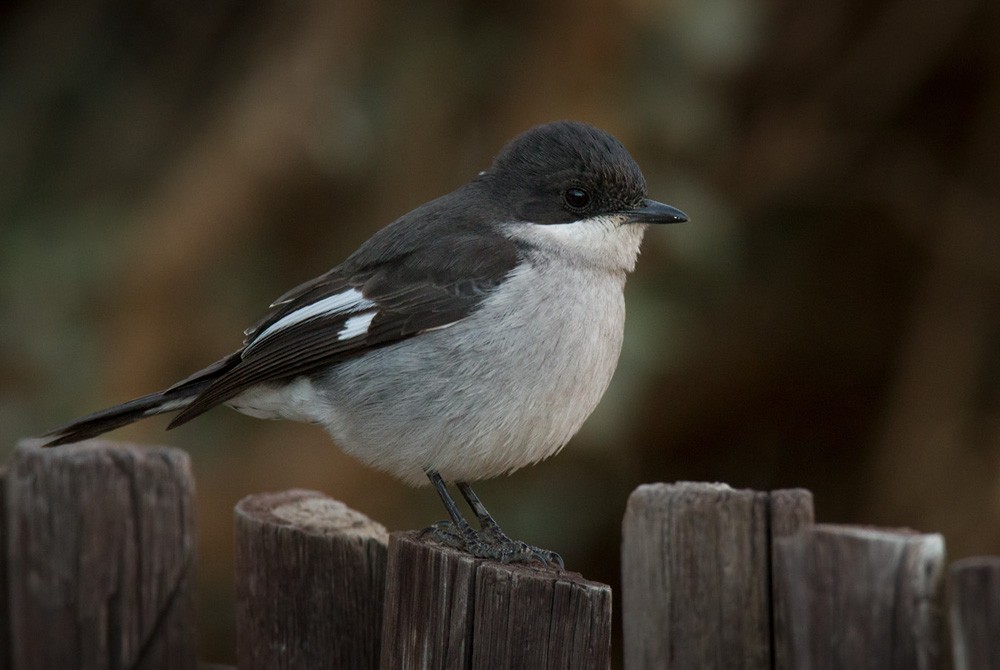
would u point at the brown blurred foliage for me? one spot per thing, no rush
(830, 318)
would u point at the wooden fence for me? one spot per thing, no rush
(99, 561)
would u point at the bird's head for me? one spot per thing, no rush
(580, 182)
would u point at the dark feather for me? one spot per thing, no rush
(160, 402)
(414, 287)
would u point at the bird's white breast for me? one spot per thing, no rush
(506, 386)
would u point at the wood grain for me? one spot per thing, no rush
(791, 511)
(310, 577)
(446, 609)
(101, 557)
(695, 577)
(974, 585)
(861, 598)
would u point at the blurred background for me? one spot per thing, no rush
(829, 318)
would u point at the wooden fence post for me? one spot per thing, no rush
(696, 586)
(5, 651)
(310, 577)
(445, 609)
(974, 587)
(101, 547)
(791, 511)
(861, 598)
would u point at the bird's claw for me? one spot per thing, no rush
(491, 544)
(446, 533)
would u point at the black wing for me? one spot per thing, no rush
(391, 297)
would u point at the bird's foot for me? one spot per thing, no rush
(492, 544)
(446, 533)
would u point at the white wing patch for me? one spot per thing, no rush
(356, 325)
(345, 302)
(169, 406)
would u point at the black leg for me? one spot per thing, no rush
(457, 533)
(498, 538)
(486, 520)
(490, 541)
(449, 502)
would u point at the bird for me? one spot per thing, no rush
(470, 337)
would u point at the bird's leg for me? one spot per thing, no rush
(505, 546)
(486, 520)
(456, 533)
(490, 542)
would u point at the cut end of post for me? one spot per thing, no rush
(444, 604)
(311, 512)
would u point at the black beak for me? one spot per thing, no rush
(651, 211)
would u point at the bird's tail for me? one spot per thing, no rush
(173, 399)
(100, 422)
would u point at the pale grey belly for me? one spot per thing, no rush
(476, 400)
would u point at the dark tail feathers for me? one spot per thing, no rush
(175, 398)
(94, 424)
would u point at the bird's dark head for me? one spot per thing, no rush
(567, 171)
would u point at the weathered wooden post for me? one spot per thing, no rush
(861, 598)
(696, 582)
(100, 549)
(791, 511)
(310, 576)
(974, 587)
(5, 661)
(445, 609)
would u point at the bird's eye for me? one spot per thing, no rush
(576, 198)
